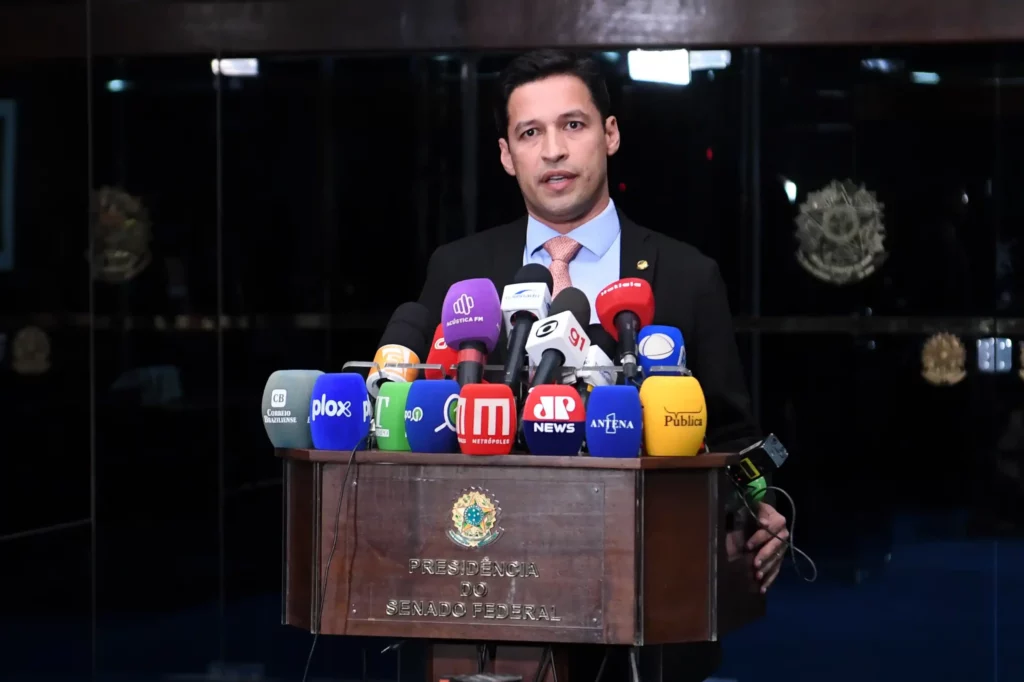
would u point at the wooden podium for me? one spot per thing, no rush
(573, 552)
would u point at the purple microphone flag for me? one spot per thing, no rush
(472, 312)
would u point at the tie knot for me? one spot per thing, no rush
(562, 249)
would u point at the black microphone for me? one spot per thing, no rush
(523, 302)
(559, 337)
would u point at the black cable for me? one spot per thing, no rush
(330, 557)
(788, 545)
(604, 662)
(547, 658)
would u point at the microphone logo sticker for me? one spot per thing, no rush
(463, 305)
(554, 408)
(450, 414)
(683, 418)
(322, 407)
(279, 397)
(657, 346)
(440, 344)
(546, 329)
(495, 408)
(611, 424)
(474, 519)
(414, 415)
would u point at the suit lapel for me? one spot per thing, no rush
(638, 256)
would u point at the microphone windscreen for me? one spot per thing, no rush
(614, 422)
(658, 346)
(441, 354)
(430, 411)
(286, 407)
(630, 294)
(472, 312)
(409, 326)
(534, 272)
(554, 420)
(389, 422)
(675, 415)
(391, 354)
(339, 412)
(573, 300)
(485, 423)
(602, 339)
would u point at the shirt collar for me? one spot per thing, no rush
(596, 235)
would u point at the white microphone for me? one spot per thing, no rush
(522, 304)
(559, 340)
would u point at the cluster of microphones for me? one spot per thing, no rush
(618, 388)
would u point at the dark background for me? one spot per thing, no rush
(292, 211)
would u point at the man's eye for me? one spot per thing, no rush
(575, 125)
(530, 132)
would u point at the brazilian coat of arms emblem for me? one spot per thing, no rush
(475, 519)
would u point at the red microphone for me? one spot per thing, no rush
(623, 307)
(485, 421)
(441, 354)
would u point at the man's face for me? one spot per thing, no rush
(558, 148)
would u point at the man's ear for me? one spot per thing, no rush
(506, 157)
(611, 134)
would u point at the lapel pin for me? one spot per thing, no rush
(641, 265)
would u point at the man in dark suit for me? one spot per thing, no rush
(556, 133)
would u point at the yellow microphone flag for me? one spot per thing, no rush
(675, 415)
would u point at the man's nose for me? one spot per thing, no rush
(554, 149)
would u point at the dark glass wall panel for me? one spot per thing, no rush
(45, 623)
(915, 127)
(154, 140)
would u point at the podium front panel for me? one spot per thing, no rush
(479, 553)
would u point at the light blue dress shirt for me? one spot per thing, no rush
(597, 263)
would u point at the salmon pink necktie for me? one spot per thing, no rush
(562, 250)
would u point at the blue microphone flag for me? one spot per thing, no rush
(614, 422)
(659, 345)
(430, 415)
(339, 412)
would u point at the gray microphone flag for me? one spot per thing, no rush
(286, 407)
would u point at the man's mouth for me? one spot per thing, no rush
(556, 178)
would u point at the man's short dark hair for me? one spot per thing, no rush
(540, 64)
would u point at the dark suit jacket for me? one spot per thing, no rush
(688, 291)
